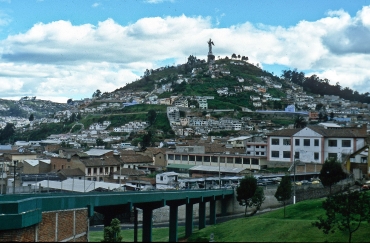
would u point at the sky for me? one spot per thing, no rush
(61, 49)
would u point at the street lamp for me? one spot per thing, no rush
(219, 174)
(293, 166)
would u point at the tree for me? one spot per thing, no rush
(99, 142)
(300, 122)
(7, 133)
(284, 191)
(31, 118)
(245, 191)
(331, 115)
(69, 102)
(152, 114)
(147, 140)
(345, 211)
(331, 172)
(112, 233)
(96, 94)
(72, 118)
(233, 55)
(257, 199)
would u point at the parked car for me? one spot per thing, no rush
(365, 187)
(315, 182)
(305, 182)
(298, 183)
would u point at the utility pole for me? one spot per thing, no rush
(15, 167)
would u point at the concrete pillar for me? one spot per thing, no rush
(212, 212)
(223, 207)
(173, 223)
(135, 224)
(147, 224)
(189, 220)
(202, 215)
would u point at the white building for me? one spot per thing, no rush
(314, 143)
(166, 180)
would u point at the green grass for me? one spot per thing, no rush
(267, 227)
(273, 227)
(158, 235)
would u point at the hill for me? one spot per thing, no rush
(27, 106)
(231, 82)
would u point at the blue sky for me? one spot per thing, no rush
(60, 49)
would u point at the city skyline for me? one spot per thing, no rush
(56, 50)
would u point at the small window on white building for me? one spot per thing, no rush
(275, 154)
(332, 143)
(346, 143)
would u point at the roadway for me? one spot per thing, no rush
(126, 226)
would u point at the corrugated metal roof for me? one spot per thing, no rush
(179, 166)
(78, 185)
(97, 152)
(217, 168)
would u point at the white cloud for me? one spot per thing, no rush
(59, 59)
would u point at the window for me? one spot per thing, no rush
(346, 143)
(161, 178)
(332, 155)
(246, 161)
(296, 155)
(297, 142)
(248, 152)
(191, 157)
(275, 154)
(262, 153)
(222, 159)
(207, 158)
(275, 141)
(316, 142)
(238, 160)
(177, 157)
(255, 161)
(286, 141)
(286, 154)
(257, 146)
(184, 158)
(257, 153)
(170, 156)
(306, 142)
(214, 159)
(332, 143)
(230, 160)
(316, 156)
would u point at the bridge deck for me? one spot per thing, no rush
(23, 210)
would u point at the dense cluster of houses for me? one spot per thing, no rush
(204, 157)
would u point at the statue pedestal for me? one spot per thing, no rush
(211, 58)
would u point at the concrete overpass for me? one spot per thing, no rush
(64, 216)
